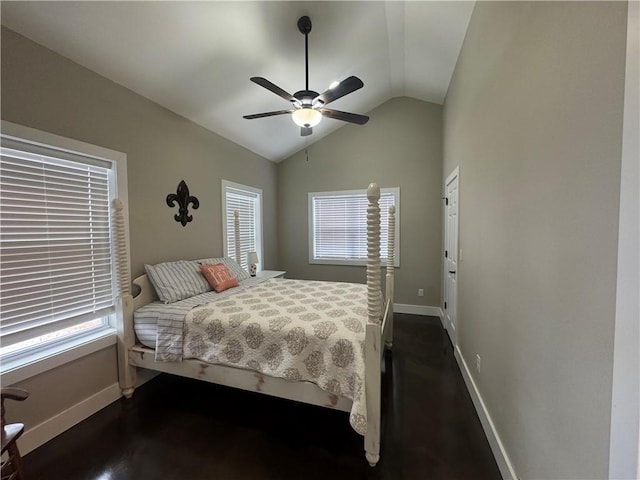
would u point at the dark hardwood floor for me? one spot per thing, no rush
(176, 428)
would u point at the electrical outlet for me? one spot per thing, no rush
(421, 292)
(478, 362)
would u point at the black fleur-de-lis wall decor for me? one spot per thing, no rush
(184, 199)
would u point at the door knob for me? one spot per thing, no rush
(452, 271)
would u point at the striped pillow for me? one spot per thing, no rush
(175, 281)
(231, 264)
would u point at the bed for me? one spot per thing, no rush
(319, 343)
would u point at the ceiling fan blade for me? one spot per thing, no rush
(345, 87)
(304, 131)
(263, 82)
(266, 114)
(344, 116)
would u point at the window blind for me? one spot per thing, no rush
(246, 203)
(339, 230)
(55, 243)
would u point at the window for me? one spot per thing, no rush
(248, 202)
(57, 281)
(338, 226)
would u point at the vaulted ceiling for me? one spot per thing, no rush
(196, 58)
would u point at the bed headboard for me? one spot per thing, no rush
(147, 293)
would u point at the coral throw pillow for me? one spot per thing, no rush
(219, 276)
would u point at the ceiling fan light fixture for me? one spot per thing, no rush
(306, 117)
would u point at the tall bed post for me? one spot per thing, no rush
(124, 302)
(389, 288)
(373, 334)
(236, 235)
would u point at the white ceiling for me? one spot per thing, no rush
(196, 58)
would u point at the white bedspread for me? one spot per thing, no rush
(294, 329)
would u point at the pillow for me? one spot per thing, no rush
(219, 276)
(175, 281)
(236, 270)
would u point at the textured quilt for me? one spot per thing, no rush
(169, 319)
(293, 329)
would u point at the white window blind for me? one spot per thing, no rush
(338, 226)
(55, 242)
(247, 201)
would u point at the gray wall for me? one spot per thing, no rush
(399, 147)
(43, 90)
(533, 117)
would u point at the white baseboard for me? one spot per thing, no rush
(417, 309)
(497, 447)
(54, 426)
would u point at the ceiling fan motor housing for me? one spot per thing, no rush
(306, 96)
(304, 25)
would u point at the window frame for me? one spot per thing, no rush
(257, 221)
(40, 358)
(395, 191)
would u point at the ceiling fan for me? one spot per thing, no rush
(309, 106)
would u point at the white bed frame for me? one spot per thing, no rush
(379, 329)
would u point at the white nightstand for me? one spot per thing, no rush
(270, 274)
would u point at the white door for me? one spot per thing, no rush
(451, 254)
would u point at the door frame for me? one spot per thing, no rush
(624, 439)
(452, 332)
